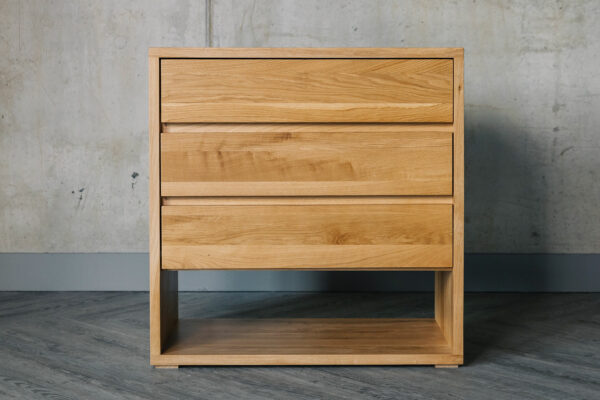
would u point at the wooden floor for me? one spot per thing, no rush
(74, 345)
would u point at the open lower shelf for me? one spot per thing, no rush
(307, 341)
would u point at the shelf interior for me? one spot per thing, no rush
(306, 336)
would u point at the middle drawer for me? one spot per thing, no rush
(263, 160)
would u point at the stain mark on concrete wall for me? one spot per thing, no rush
(80, 199)
(567, 149)
(557, 106)
(134, 175)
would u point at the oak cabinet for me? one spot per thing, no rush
(306, 159)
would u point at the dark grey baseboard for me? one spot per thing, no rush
(129, 271)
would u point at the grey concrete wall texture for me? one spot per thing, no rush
(73, 106)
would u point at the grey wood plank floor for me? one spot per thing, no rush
(94, 345)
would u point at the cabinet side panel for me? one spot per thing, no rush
(449, 286)
(459, 206)
(154, 202)
(163, 284)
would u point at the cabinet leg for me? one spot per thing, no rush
(166, 366)
(446, 366)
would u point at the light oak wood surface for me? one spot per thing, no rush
(315, 90)
(163, 284)
(459, 210)
(305, 52)
(154, 204)
(449, 286)
(308, 159)
(306, 163)
(307, 237)
(307, 341)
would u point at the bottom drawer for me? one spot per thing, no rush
(341, 236)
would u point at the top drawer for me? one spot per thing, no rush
(306, 90)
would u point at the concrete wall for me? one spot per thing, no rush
(73, 138)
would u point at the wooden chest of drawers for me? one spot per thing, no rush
(306, 159)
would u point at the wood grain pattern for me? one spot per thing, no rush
(304, 52)
(163, 284)
(306, 341)
(267, 163)
(307, 237)
(443, 302)
(306, 163)
(459, 209)
(450, 285)
(154, 204)
(315, 90)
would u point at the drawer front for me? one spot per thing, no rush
(259, 163)
(307, 90)
(340, 236)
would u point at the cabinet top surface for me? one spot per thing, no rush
(347, 52)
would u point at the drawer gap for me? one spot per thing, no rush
(303, 200)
